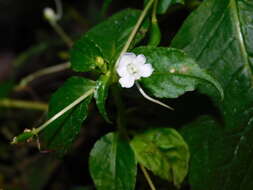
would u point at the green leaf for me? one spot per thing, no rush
(164, 152)
(221, 42)
(101, 94)
(174, 73)
(60, 134)
(220, 160)
(111, 35)
(163, 5)
(104, 42)
(85, 55)
(112, 164)
(154, 35)
(201, 136)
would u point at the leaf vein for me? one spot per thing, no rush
(235, 14)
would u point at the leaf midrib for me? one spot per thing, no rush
(235, 13)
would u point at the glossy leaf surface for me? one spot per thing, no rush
(221, 42)
(85, 55)
(104, 42)
(112, 164)
(101, 94)
(60, 134)
(111, 35)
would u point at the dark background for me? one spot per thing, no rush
(27, 44)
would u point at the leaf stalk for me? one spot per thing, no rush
(148, 178)
(63, 111)
(136, 27)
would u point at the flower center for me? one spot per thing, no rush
(132, 69)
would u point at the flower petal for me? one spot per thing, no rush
(125, 59)
(122, 70)
(146, 70)
(140, 59)
(126, 82)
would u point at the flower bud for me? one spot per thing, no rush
(49, 14)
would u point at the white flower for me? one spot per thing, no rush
(131, 67)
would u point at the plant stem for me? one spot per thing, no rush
(154, 33)
(59, 10)
(147, 177)
(154, 19)
(121, 121)
(45, 71)
(63, 111)
(58, 29)
(11, 103)
(136, 27)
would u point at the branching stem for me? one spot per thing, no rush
(12, 103)
(59, 10)
(58, 29)
(53, 21)
(42, 72)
